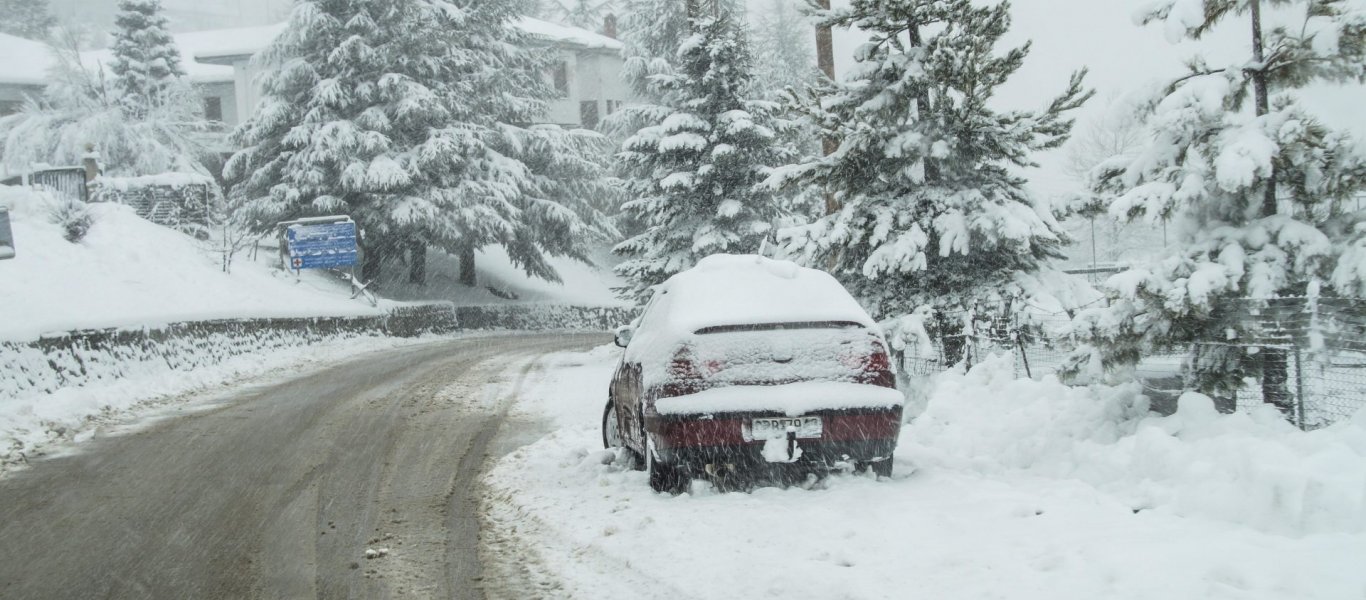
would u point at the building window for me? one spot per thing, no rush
(588, 114)
(213, 108)
(613, 106)
(562, 78)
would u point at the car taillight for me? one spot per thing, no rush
(872, 366)
(685, 374)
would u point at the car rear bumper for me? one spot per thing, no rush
(859, 435)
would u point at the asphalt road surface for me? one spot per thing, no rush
(277, 491)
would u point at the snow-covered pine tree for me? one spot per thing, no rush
(585, 14)
(1258, 191)
(693, 172)
(26, 18)
(932, 212)
(653, 30)
(784, 48)
(409, 115)
(146, 60)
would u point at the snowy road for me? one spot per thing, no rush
(279, 490)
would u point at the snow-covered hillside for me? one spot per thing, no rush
(1004, 488)
(128, 272)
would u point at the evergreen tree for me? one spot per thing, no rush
(693, 172)
(146, 61)
(931, 212)
(586, 14)
(26, 18)
(410, 116)
(1258, 191)
(784, 49)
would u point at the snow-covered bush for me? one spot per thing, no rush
(74, 217)
(85, 108)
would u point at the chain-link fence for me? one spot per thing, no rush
(1306, 357)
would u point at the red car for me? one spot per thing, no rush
(744, 362)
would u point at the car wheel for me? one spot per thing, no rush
(611, 427)
(612, 438)
(881, 468)
(664, 478)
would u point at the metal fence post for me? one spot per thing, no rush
(1299, 390)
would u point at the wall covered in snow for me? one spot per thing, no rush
(84, 358)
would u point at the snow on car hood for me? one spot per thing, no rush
(792, 399)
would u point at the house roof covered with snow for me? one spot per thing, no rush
(566, 35)
(24, 62)
(225, 46)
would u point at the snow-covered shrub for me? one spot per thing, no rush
(143, 118)
(74, 217)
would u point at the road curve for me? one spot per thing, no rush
(278, 491)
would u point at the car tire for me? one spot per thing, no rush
(665, 478)
(881, 468)
(612, 438)
(611, 427)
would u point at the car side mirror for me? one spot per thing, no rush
(623, 336)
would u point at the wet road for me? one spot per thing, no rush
(277, 491)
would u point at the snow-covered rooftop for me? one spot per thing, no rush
(221, 46)
(225, 45)
(564, 34)
(24, 62)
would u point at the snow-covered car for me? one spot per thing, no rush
(742, 362)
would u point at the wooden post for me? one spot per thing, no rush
(825, 59)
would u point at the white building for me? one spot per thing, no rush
(23, 71)
(587, 72)
(219, 65)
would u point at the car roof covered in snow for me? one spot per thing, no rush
(727, 289)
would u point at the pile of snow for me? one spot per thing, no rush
(1003, 488)
(129, 272)
(1251, 469)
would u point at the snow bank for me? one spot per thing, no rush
(1004, 489)
(130, 272)
(1253, 469)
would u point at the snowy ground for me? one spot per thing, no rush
(501, 282)
(130, 272)
(1004, 488)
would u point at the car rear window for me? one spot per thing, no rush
(783, 353)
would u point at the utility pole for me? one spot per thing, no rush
(825, 59)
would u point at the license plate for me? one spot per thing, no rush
(776, 429)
